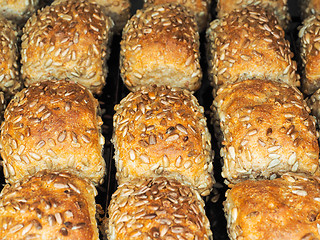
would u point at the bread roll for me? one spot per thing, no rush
(200, 9)
(278, 7)
(163, 129)
(10, 82)
(159, 208)
(18, 11)
(310, 7)
(286, 208)
(310, 46)
(118, 10)
(52, 125)
(249, 44)
(266, 131)
(67, 40)
(314, 104)
(160, 45)
(49, 206)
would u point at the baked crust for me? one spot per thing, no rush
(67, 40)
(52, 125)
(10, 82)
(200, 9)
(266, 130)
(278, 7)
(157, 208)
(279, 209)
(314, 104)
(49, 206)
(243, 43)
(159, 44)
(118, 10)
(310, 47)
(163, 129)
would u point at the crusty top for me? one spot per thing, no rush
(161, 38)
(243, 43)
(266, 130)
(200, 8)
(52, 125)
(67, 40)
(10, 81)
(286, 208)
(310, 47)
(278, 7)
(160, 129)
(159, 208)
(48, 206)
(118, 10)
(18, 11)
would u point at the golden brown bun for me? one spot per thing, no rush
(310, 46)
(314, 104)
(67, 40)
(160, 45)
(159, 208)
(249, 44)
(286, 208)
(266, 131)
(309, 7)
(278, 7)
(200, 9)
(159, 129)
(52, 125)
(10, 82)
(48, 206)
(18, 11)
(118, 10)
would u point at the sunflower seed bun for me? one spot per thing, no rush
(309, 7)
(314, 104)
(200, 9)
(160, 45)
(157, 208)
(266, 131)
(310, 46)
(49, 206)
(52, 125)
(286, 208)
(278, 7)
(10, 82)
(163, 129)
(18, 11)
(243, 43)
(118, 10)
(67, 40)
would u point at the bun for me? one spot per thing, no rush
(243, 43)
(283, 208)
(160, 45)
(118, 10)
(18, 11)
(277, 7)
(309, 7)
(314, 104)
(10, 82)
(157, 208)
(159, 130)
(310, 47)
(266, 131)
(67, 40)
(52, 125)
(200, 9)
(49, 206)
